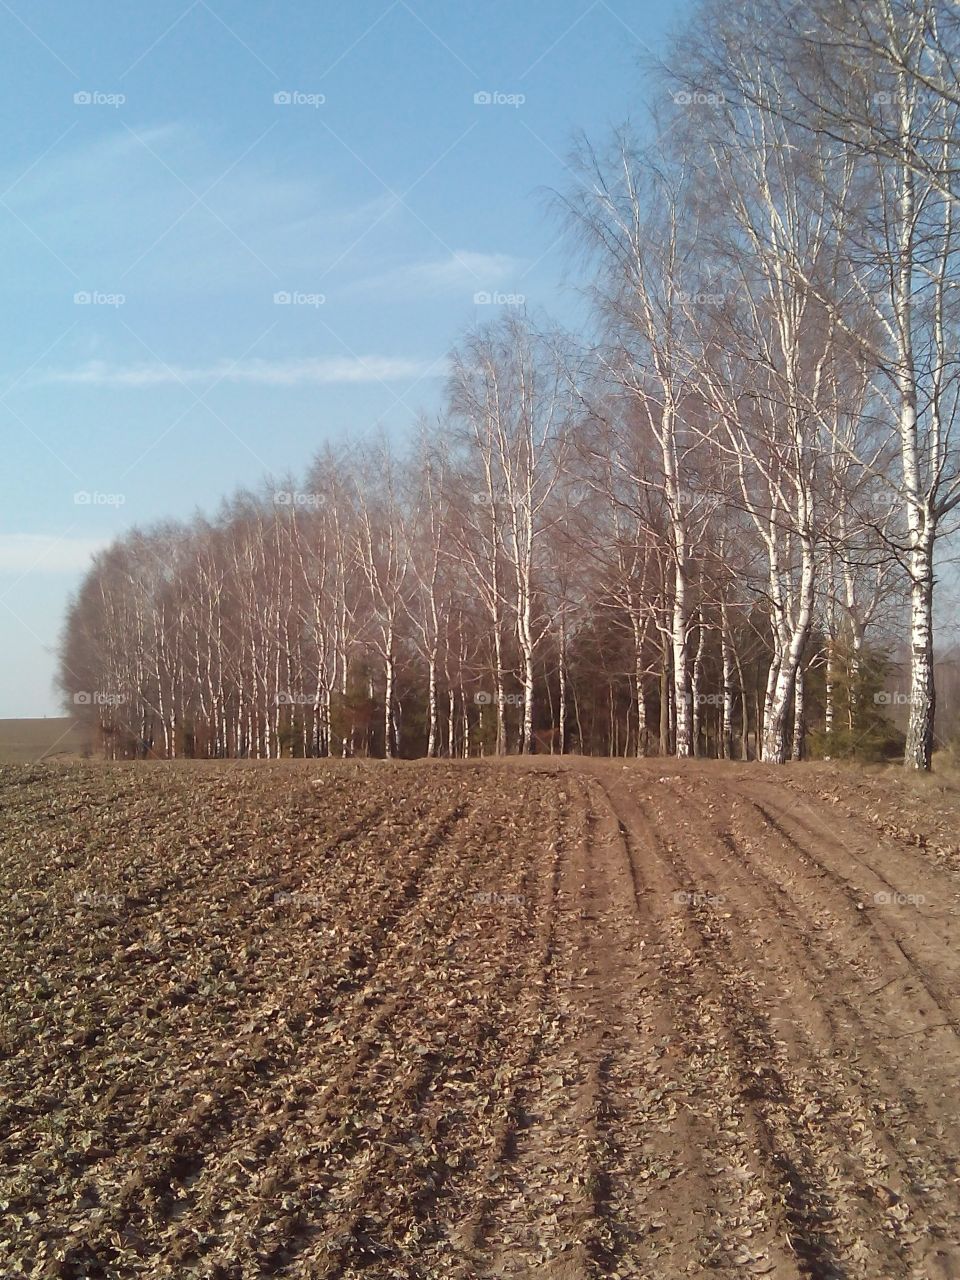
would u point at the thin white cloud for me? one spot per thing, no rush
(463, 269)
(46, 553)
(134, 223)
(325, 370)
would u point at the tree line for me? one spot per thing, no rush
(703, 529)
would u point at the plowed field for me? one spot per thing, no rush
(566, 1019)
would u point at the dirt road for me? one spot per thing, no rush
(566, 1019)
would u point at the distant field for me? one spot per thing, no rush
(22, 741)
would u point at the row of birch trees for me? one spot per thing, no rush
(693, 532)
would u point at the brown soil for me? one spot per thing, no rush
(563, 1018)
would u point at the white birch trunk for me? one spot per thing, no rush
(920, 729)
(777, 714)
(799, 709)
(726, 662)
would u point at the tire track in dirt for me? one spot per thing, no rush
(857, 1123)
(546, 1194)
(808, 913)
(786, 896)
(718, 1082)
(919, 1073)
(830, 1072)
(905, 1085)
(670, 1199)
(610, 1166)
(907, 931)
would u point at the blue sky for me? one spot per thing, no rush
(157, 197)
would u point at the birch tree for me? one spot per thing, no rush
(635, 219)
